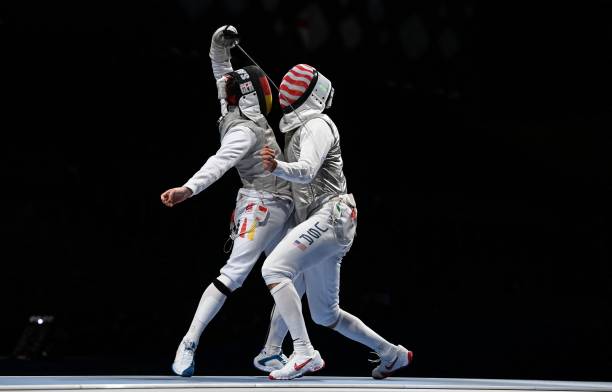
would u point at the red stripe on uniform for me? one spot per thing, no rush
(243, 228)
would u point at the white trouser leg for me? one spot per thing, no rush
(278, 329)
(323, 288)
(311, 242)
(259, 230)
(307, 244)
(323, 243)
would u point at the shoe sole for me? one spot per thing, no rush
(384, 375)
(185, 373)
(267, 369)
(300, 374)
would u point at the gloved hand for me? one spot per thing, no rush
(223, 39)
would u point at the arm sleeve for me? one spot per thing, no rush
(234, 146)
(220, 59)
(316, 140)
(221, 67)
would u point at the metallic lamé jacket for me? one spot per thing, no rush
(329, 181)
(250, 167)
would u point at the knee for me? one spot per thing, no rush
(327, 318)
(267, 272)
(225, 285)
(272, 274)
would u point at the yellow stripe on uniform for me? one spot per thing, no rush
(252, 230)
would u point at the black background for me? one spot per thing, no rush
(476, 141)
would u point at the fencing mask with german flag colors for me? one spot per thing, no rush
(248, 88)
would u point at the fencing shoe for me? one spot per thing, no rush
(269, 362)
(399, 358)
(184, 363)
(297, 366)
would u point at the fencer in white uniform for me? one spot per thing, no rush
(263, 205)
(326, 224)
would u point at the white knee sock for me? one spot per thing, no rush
(276, 334)
(212, 300)
(353, 328)
(289, 306)
(278, 329)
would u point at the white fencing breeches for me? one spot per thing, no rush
(315, 249)
(260, 223)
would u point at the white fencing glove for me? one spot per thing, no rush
(223, 39)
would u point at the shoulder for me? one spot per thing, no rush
(240, 129)
(317, 125)
(240, 132)
(322, 127)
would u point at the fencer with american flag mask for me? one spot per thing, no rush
(326, 218)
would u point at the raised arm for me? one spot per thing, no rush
(220, 46)
(315, 141)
